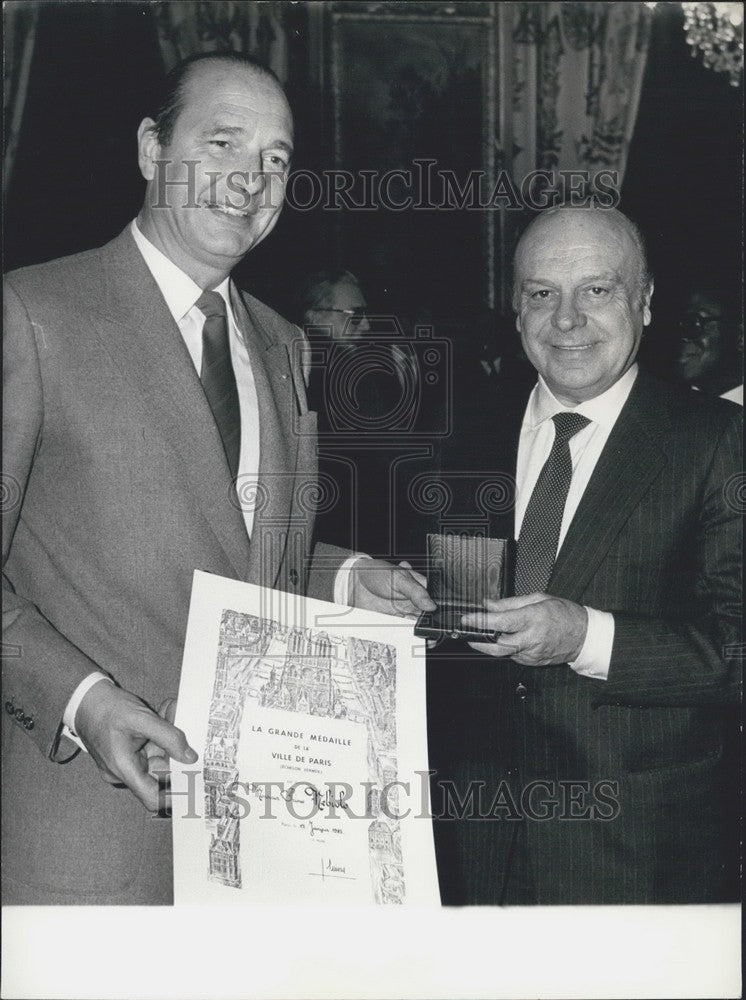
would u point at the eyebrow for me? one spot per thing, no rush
(281, 144)
(240, 130)
(604, 276)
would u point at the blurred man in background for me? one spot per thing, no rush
(710, 355)
(359, 377)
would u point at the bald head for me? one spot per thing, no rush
(582, 298)
(566, 223)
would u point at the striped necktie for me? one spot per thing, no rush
(540, 530)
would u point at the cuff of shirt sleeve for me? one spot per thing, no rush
(68, 718)
(342, 579)
(595, 656)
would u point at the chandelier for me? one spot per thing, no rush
(716, 31)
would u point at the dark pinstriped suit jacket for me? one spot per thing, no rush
(655, 541)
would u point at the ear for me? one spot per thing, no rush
(515, 305)
(517, 308)
(647, 295)
(148, 148)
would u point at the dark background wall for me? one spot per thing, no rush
(684, 180)
(76, 183)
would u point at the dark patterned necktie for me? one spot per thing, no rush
(216, 375)
(540, 530)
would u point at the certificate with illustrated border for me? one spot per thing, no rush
(311, 786)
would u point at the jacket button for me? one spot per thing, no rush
(19, 714)
(28, 723)
(294, 577)
(10, 708)
(521, 690)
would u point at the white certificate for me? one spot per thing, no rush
(312, 779)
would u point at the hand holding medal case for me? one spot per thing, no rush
(464, 571)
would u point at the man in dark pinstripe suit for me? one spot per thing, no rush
(600, 722)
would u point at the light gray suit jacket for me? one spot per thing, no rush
(116, 489)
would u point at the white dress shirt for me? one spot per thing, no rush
(735, 395)
(536, 439)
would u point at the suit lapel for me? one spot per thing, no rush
(145, 343)
(632, 458)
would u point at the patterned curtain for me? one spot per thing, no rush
(20, 20)
(578, 71)
(186, 28)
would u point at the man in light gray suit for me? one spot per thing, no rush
(155, 423)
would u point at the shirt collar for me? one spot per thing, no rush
(603, 409)
(178, 289)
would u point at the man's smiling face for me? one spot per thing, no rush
(232, 142)
(581, 301)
